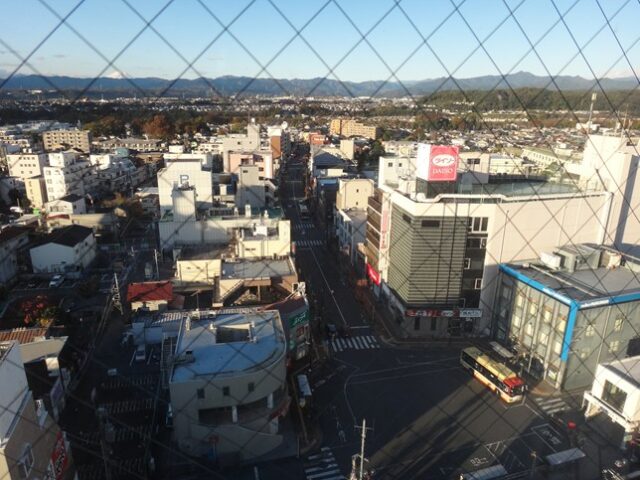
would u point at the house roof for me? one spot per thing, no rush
(69, 236)
(150, 291)
(22, 335)
(12, 232)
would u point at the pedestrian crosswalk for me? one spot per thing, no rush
(322, 466)
(362, 342)
(308, 243)
(552, 405)
(302, 226)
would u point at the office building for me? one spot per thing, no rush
(573, 308)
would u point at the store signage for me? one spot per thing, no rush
(455, 313)
(437, 163)
(299, 319)
(58, 463)
(373, 275)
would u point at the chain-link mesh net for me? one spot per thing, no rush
(404, 376)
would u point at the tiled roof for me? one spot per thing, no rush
(22, 335)
(150, 291)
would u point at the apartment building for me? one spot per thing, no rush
(36, 190)
(354, 193)
(32, 446)
(263, 159)
(347, 127)
(26, 165)
(227, 384)
(566, 312)
(67, 138)
(66, 174)
(279, 141)
(11, 240)
(434, 246)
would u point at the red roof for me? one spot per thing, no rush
(22, 335)
(150, 291)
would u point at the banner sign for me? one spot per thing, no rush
(455, 313)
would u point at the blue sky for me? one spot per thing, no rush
(328, 45)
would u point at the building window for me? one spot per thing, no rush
(252, 387)
(529, 329)
(614, 346)
(533, 309)
(467, 265)
(226, 391)
(430, 223)
(617, 325)
(200, 393)
(406, 218)
(483, 243)
(561, 325)
(543, 338)
(590, 331)
(477, 285)
(478, 224)
(557, 347)
(614, 396)
(26, 462)
(519, 299)
(506, 292)
(416, 323)
(547, 315)
(517, 320)
(390, 164)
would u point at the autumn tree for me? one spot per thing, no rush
(158, 127)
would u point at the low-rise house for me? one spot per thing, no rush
(151, 296)
(66, 250)
(69, 204)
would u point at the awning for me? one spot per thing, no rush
(500, 350)
(565, 456)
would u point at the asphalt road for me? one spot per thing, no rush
(428, 417)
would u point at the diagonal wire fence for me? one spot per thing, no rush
(526, 241)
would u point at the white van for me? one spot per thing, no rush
(141, 353)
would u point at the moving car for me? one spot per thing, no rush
(56, 281)
(141, 353)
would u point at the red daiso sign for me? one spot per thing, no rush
(437, 163)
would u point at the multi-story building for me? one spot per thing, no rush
(347, 127)
(575, 307)
(32, 446)
(26, 165)
(187, 172)
(263, 159)
(11, 240)
(36, 190)
(70, 138)
(227, 383)
(433, 247)
(354, 193)
(67, 173)
(279, 141)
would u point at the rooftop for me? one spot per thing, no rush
(204, 252)
(22, 335)
(9, 233)
(228, 343)
(248, 269)
(150, 291)
(72, 197)
(594, 278)
(69, 236)
(628, 368)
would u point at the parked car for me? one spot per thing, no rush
(56, 281)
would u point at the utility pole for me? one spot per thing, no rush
(106, 436)
(155, 256)
(358, 460)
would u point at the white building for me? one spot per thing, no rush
(354, 193)
(70, 204)
(350, 228)
(228, 383)
(185, 173)
(26, 165)
(67, 174)
(616, 392)
(67, 250)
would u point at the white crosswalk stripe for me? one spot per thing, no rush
(552, 405)
(303, 226)
(362, 342)
(322, 466)
(308, 243)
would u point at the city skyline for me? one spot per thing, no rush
(259, 38)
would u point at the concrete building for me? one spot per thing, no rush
(575, 308)
(131, 143)
(32, 446)
(70, 204)
(69, 138)
(348, 127)
(66, 174)
(434, 246)
(185, 173)
(252, 188)
(350, 229)
(279, 141)
(36, 190)
(11, 240)
(227, 384)
(616, 393)
(239, 142)
(354, 193)
(26, 165)
(67, 250)
(263, 159)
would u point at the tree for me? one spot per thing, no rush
(159, 127)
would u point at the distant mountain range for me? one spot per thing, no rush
(316, 87)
